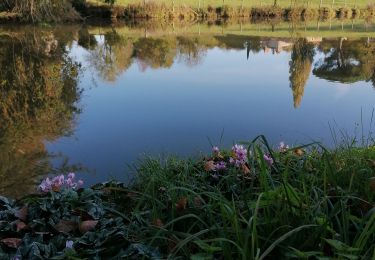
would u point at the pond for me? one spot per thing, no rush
(96, 98)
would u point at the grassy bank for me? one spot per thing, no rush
(250, 202)
(251, 3)
(47, 11)
(232, 9)
(272, 28)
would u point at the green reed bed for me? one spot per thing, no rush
(249, 202)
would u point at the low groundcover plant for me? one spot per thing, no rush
(247, 202)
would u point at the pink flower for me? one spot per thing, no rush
(46, 185)
(239, 153)
(220, 166)
(283, 147)
(268, 159)
(71, 175)
(215, 150)
(59, 182)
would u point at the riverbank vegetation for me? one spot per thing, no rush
(67, 10)
(220, 10)
(248, 202)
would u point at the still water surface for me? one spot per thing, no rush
(95, 99)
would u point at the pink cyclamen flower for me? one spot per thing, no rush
(69, 182)
(46, 185)
(239, 153)
(283, 147)
(59, 182)
(215, 150)
(71, 175)
(268, 159)
(220, 166)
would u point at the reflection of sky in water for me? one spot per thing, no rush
(174, 110)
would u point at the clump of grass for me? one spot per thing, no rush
(309, 13)
(267, 12)
(344, 13)
(251, 202)
(227, 11)
(294, 13)
(326, 13)
(117, 11)
(356, 12)
(369, 11)
(148, 10)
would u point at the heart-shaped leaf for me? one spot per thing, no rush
(66, 226)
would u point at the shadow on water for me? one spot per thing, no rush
(40, 93)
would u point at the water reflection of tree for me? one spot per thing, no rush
(112, 56)
(300, 68)
(346, 61)
(190, 51)
(155, 52)
(86, 40)
(38, 96)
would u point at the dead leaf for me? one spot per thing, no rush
(87, 225)
(245, 170)
(20, 225)
(209, 166)
(157, 222)
(22, 213)
(181, 204)
(11, 242)
(299, 151)
(66, 226)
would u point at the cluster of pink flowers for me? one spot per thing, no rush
(239, 155)
(59, 182)
(220, 166)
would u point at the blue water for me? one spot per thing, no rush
(176, 110)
